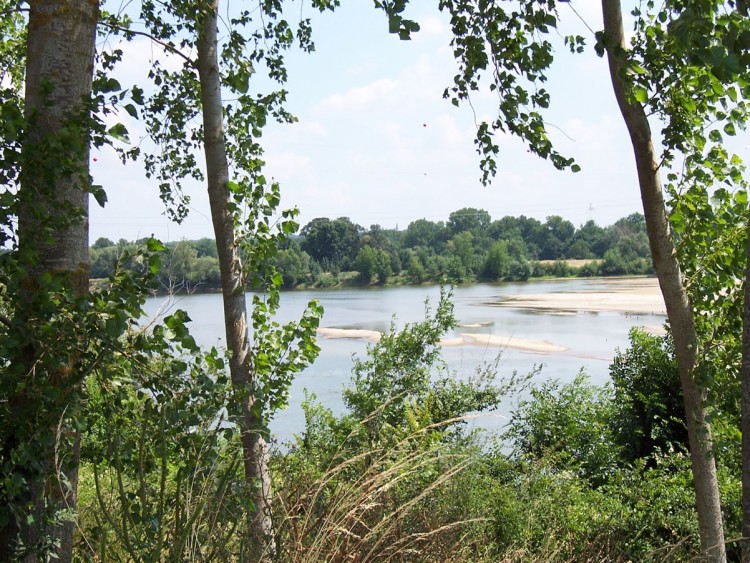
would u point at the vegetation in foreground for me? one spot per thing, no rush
(579, 473)
(162, 486)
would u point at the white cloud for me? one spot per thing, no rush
(361, 95)
(293, 164)
(137, 56)
(430, 26)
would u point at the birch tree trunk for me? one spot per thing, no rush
(53, 240)
(255, 448)
(678, 306)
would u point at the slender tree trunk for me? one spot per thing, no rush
(254, 446)
(53, 240)
(672, 286)
(745, 423)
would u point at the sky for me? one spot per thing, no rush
(377, 143)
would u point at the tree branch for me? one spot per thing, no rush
(171, 48)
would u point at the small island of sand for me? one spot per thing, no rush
(632, 296)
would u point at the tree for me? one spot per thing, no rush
(206, 247)
(52, 208)
(102, 261)
(423, 233)
(648, 418)
(469, 219)
(251, 368)
(745, 421)
(102, 242)
(679, 309)
(336, 242)
(594, 237)
(183, 256)
(684, 57)
(255, 450)
(373, 262)
(497, 263)
(558, 235)
(293, 263)
(57, 334)
(462, 247)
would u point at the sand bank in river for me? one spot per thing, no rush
(639, 296)
(540, 346)
(464, 339)
(356, 333)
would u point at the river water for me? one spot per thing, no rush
(590, 339)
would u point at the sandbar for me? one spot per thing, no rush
(634, 296)
(541, 346)
(464, 339)
(356, 333)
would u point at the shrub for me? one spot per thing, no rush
(394, 478)
(567, 425)
(649, 411)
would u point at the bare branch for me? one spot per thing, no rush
(171, 48)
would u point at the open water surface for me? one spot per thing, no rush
(590, 338)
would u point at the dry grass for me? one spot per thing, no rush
(382, 504)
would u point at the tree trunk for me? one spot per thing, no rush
(745, 423)
(254, 446)
(53, 240)
(672, 286)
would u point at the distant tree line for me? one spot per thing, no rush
(469, 246)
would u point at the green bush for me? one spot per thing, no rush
(394, 477)
(649, 414)
(568, 425)
(161, 468)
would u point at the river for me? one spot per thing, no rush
(590, 339)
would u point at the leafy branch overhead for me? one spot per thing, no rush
(503, 48)
(255, 41)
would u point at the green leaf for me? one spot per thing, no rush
(575, 168)
(137, 94)
(239, 81)
(394, 24)
(108, 85)
(99, 194)
(154, 263)
(641, 94)
(120, 132)
(729, 129)
(155, 245)
(130, 108)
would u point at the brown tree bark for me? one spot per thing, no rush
(53, 240)
(255, 448)
(678, 306)
(745, 420)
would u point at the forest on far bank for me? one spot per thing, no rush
(469, 246)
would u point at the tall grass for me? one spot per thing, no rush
(395, 501)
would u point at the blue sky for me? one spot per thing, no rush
(377, 143)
